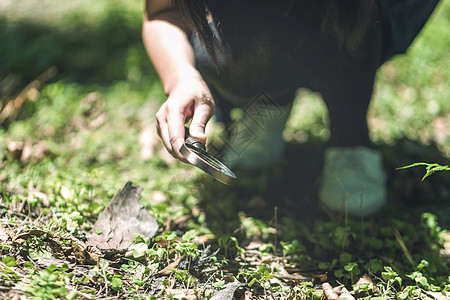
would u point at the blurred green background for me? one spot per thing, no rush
(98, 43)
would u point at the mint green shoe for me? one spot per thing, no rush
(353, 180)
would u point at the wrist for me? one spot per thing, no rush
(179, 76)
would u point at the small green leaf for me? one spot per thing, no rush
(189, 236)
(171, 236)
(103, 264)
(423, 264)
(161, 252)
(339, 273)
(116, 283)
(218, 284)
(28, 265)
(422, 280)
(345, 258)
(95, 271)
(9, 261)
(350, 266)
(72, 295)
(139, 250)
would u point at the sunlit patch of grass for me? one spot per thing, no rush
(411, 96)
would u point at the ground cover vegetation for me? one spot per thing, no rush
(77, 103)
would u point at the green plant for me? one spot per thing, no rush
(261, 276)
(430, 168)
(187, 245)
(305, 290)
(8, 274)
(229, 244)
(391, 281)
(110, 280)
(48, 284)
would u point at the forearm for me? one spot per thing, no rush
(173, 58)
(169, 49)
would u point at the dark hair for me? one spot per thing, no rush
(346, 22)
(196, 13)
(342, 22)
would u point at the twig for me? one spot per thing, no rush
(16, 213)
(405, 250)
(84, 295)
(276, 229)
(362, 220)
(10, 110)
(294, 277)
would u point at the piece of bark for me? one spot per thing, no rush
(121, 219)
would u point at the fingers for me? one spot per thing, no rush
(202, 113)
(170, 127)
(163, 128)
(176, 131)
(189, 100)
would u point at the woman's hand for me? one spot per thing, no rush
(189, 99)
(169, 49)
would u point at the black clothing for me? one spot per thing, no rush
(278, 52)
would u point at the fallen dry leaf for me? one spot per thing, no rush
(329, 292)
(173, 265)
(93, 113)
(85, 254)
(248, 295)
(184, 294)
(435, 296)
(121, 219)
(28, 150)
(5, 234)
(228, 292)
(34, 193)
(45, 262)
(205, 238)
(365, 279)
(345, 294)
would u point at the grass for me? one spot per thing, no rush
(78, 139)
